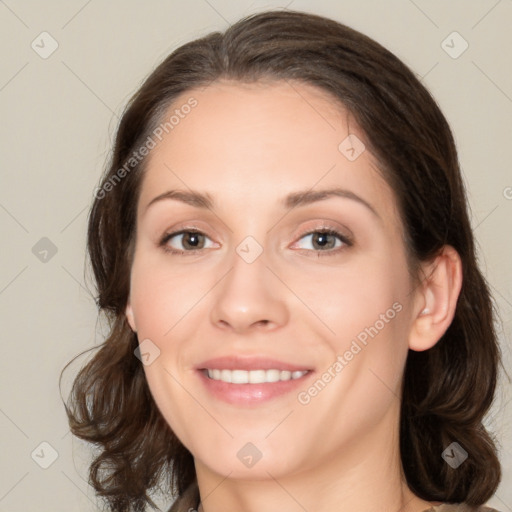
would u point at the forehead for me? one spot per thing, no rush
(258, 142)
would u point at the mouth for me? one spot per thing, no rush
(253, 376)
(248, 381)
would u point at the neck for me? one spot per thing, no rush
(364, 475)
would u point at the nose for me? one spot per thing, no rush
(250, 297)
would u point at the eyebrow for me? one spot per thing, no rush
(305, 197)
(192, 198)
(293, 200)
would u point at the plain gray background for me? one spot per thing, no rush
(58, 115)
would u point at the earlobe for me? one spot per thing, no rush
(436, 301)
(130, 317)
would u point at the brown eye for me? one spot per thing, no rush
(193, 240)
(184, 241)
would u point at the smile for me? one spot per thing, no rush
(253, 376)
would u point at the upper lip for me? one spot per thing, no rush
(249, 363)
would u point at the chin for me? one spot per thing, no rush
(246, 460)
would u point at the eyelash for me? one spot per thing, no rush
(324, 231)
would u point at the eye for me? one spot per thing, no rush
(191, 240)
(328, 241)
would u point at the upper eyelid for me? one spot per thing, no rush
(326, 226)
(181, 231)
(306, 231)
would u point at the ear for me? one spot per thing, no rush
(436, 299)
(130, 317)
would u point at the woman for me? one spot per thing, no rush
(282, 244)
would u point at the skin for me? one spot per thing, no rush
(249, 146)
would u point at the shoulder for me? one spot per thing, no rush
(460, 507)
(189, 501)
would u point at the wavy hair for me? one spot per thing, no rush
(447, 390)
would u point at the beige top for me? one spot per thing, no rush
(189, 501)
(459, 507)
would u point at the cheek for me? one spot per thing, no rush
(161, 297)
(348, 301)
(162, 301)
(364, 320)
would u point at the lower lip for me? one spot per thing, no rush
(248, 394)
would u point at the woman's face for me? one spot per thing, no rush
(260, 292)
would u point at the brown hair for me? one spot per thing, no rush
(447, 390)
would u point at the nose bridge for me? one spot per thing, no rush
(249, 294)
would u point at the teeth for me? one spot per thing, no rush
(254, 376)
